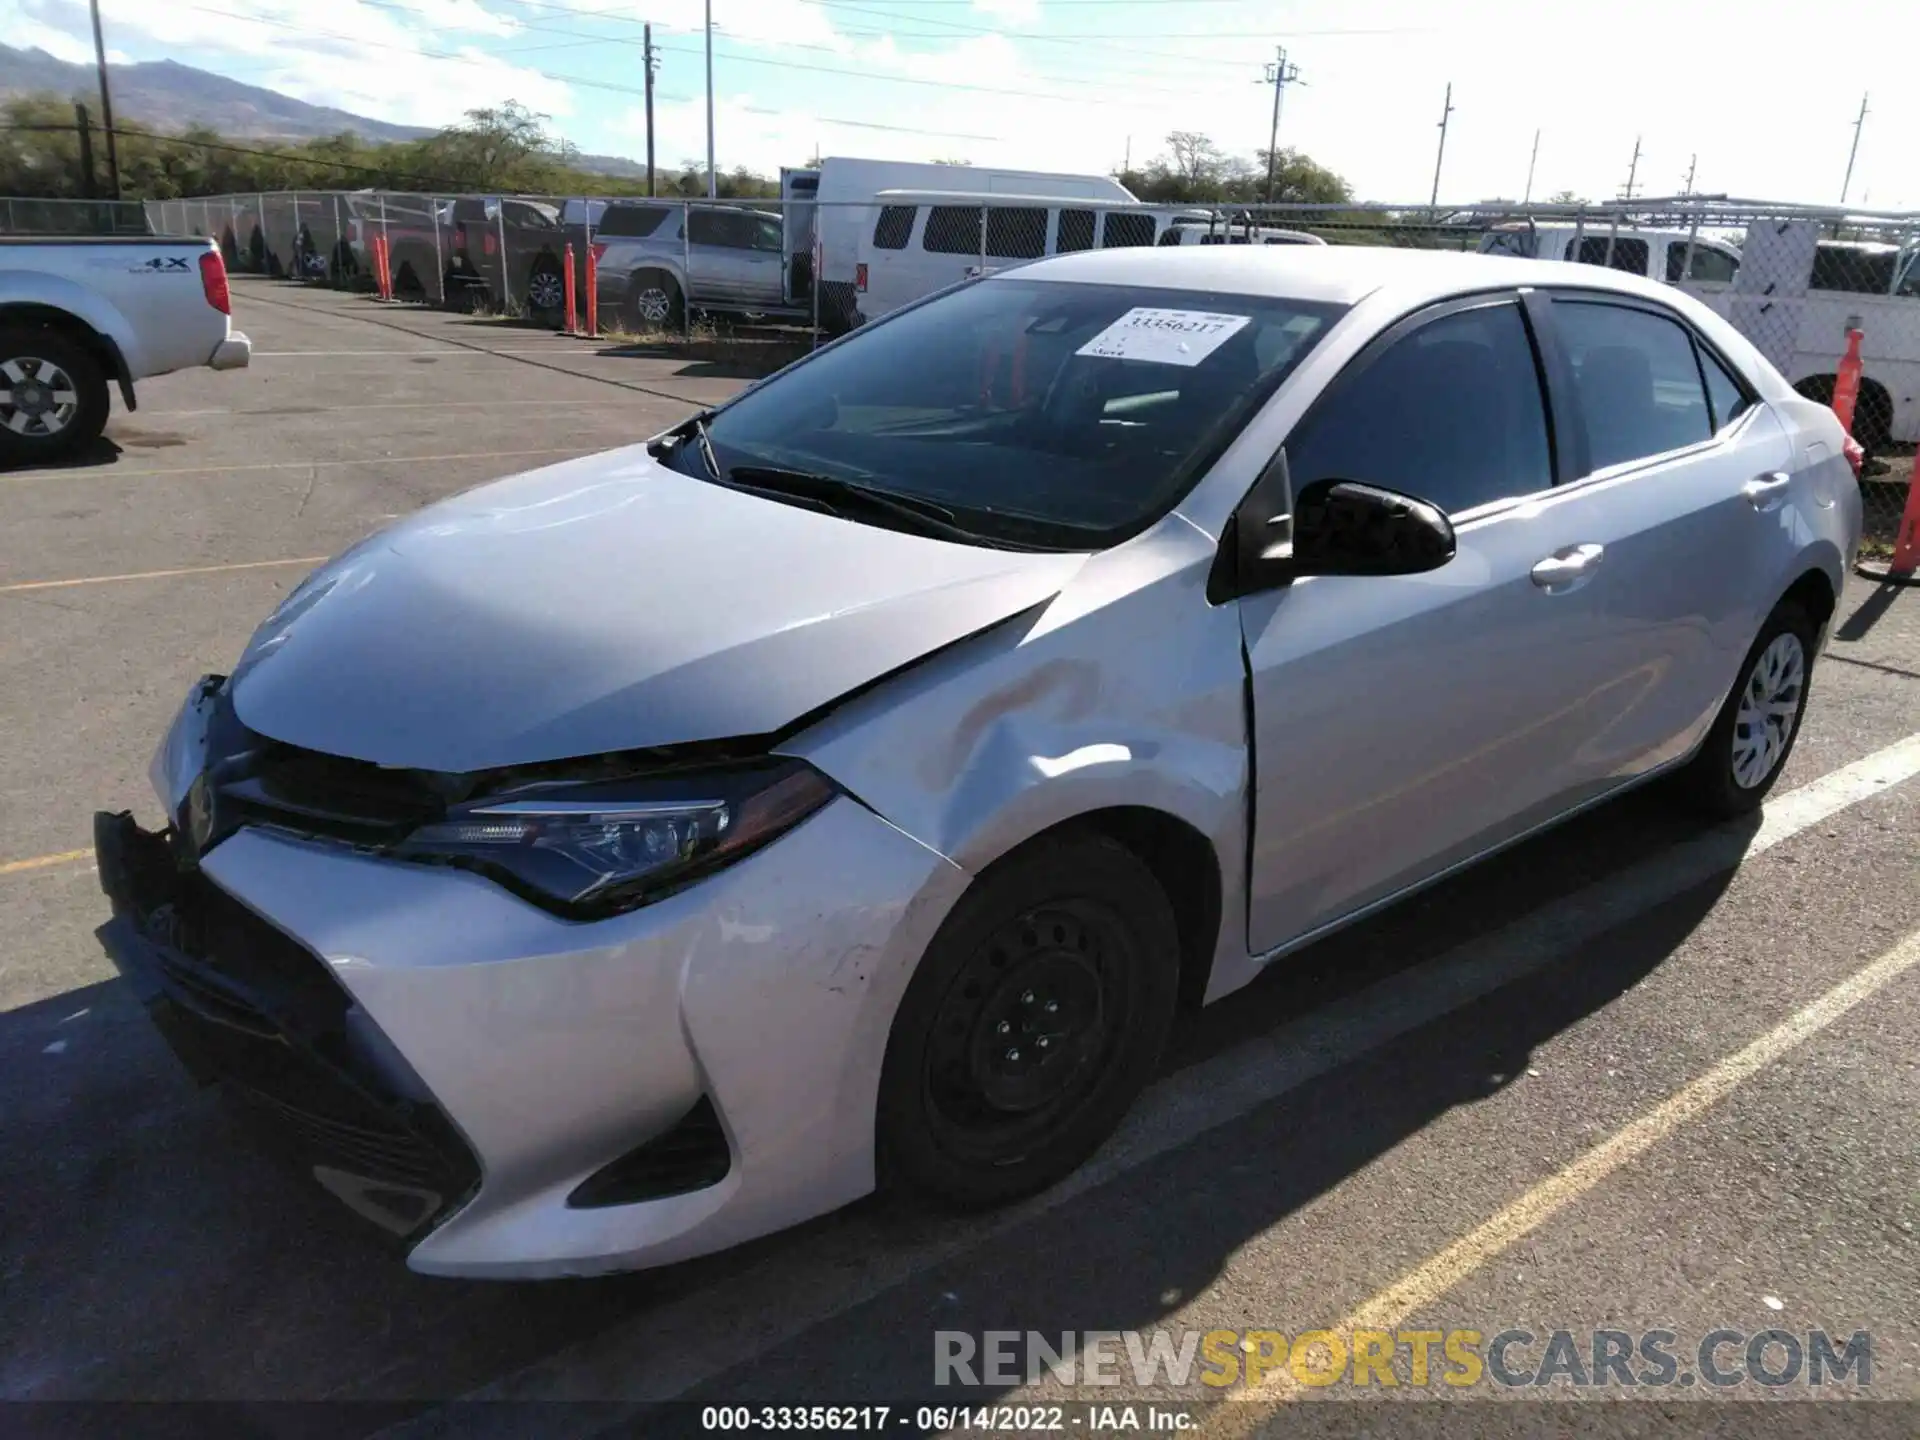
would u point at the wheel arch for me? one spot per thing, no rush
(1181, 858)
(98, 342)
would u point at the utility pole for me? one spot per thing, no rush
(646, 42)
(1845, 185)
(1446, 110)
(106, 103)
(1693, 165)
(84, 128)
(1535, 160)
(1633, 170)
(1280, 74)
(712, 179)
(1126, 165)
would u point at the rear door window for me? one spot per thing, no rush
(1076, 231)
(1638, 382)
(1629, 253)
(895, 225)
(1016, 234)
(952, 230)
(1121, 229)
(630, 222)
(1727, 396)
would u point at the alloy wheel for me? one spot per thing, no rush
(38, 398)
(1769, 705)
(545, 290)
(652, 304)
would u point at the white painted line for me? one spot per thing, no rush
(1439, 1273)
(671, 1350)
(114, 472)
(450, 353)
(307, 560)
(395, 405)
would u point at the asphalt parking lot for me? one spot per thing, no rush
(1634, 1075)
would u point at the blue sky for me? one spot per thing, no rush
(1759, 91)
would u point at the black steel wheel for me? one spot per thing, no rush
(1035, 1018)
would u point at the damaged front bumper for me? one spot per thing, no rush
(515, 1094)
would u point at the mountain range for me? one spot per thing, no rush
(166, 95)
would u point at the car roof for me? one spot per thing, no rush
(1340, 274)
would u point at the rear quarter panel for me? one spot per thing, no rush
(147, 298)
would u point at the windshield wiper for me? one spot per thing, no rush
(835, 495)
(694, 427)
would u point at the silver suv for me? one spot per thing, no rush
(660, 257)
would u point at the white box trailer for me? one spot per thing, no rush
(833, 203)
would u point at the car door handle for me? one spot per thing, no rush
(1765, 492)
(1565, 569)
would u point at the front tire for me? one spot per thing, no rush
(1035, 1018)
(53, 396)
(546, 293)
(1752, 737)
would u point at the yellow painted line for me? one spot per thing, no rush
(43, 862)
(1435, 1276)
(308, 560)
(113, 472)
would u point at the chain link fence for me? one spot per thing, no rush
(1793, 280)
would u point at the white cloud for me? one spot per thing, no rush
(25, 32)
(412, 66)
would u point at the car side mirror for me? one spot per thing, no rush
(1335, 527)
(1342, 527)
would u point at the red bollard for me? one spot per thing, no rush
(1846, 385)
(573, 314)
(382, 268)
(593, 289)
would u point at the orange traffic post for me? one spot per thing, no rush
(1846, 384)
(593, 290)
(1906, 543)
(382, 273)
(573, 314)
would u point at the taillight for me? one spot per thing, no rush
(599, 251)
(460, 236)
(213, 281)
(486, 243)
(1856, 457)
(860, 278)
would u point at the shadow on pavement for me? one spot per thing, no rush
(154, 1251)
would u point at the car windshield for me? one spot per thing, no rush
(1036, 412)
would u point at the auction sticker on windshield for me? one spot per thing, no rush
(1166, 337)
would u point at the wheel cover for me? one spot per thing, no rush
(1769, 705)
(544, 290)
(1026, 1031)
(37, 397)
(652, 303)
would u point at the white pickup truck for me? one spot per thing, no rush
(78, 312)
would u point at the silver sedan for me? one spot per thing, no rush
(847, 787)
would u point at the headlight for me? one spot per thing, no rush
(597, 849)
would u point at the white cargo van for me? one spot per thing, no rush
(835, 202)
(921, 241)
(1656, 254)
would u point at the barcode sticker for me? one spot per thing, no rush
(1165, 337)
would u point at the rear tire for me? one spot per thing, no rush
(1034, 1019)
(654, 301)
(55, 393)
(546, 293)
(1752, 737)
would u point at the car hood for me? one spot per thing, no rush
(606, 604)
